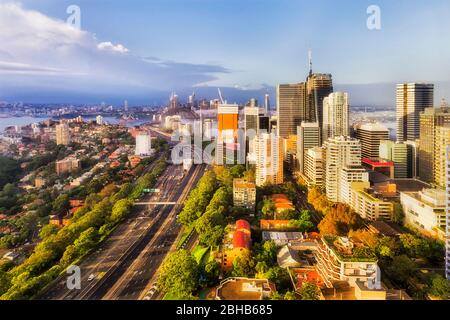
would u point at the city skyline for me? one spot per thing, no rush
(218, 150)
(136, 54)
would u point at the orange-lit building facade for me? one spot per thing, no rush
(227, 137)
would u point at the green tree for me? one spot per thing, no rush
(398, 216)
(70, 255)
(91, 200)
(290, 295)
(266, 252)
(261, 267)
(47, 231)
(212, 272)
(86, 241)
(402, 268)
(268, 209)
(289, 214)
(120, 210)
(280, 277)
(244, 265)
(9, 169)
(309, 291)
(304, 223)
(179, 274)
(124, 192)
(211, 236)
(387, 247)
(198, 199)
(237, 171)
(440, 287)
(61, 204)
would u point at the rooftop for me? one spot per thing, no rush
(375, 126)
(347, 251)
(369, 196)
(244, 289)
(410, 185)
(434, 198)
(281, 236)
(243, 184)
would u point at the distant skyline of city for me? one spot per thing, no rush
(136, 53)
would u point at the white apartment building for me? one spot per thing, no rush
(172, 121)
(369, 206)
(342, 167)
(207, 129)
(269, 159)
(244, 193)
(99, 120)
(425, 211)
(68, 164)
(62, 134)
(143, 144)
(335, 116)
(336, 262)
(313, 167)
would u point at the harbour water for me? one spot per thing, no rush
(23, 121)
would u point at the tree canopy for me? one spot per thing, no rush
(179, 274)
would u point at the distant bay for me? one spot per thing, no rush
(23, 121)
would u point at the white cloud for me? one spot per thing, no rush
(26, 69)
(38, 50)
(109, 46)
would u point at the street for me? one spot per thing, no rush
(124, 264)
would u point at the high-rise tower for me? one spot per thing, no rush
(62, 134)
(302, 102)
(227, 138)
(269, 159)
(267, 104)
(335, 116)
(434, 138)
(412, 99)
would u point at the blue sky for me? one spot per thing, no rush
(251, 44)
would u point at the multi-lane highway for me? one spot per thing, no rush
(141, 273)
(125, 264)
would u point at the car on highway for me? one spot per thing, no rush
(151, 293)
(91, 277)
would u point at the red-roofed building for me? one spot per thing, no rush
(282, 202)
(242, 224)
(241, 240)
(383, 166)
(237, 242)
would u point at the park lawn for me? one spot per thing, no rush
(199, 253)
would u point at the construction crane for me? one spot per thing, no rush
(220, 96)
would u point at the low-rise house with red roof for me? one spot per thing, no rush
(236, 243)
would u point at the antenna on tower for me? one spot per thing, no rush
(310, 61)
